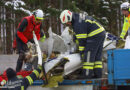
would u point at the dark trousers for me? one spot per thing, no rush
(92, 64)
(22, 48)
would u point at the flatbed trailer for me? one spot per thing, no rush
(118, 65)
(88, 84)
(118, 75)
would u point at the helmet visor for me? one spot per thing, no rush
(124, 8)
(39, 19)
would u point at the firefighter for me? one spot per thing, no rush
(90, 35)
(14, 83)
(125, 7)
(24, 35)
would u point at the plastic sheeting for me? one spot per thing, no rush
(127, 43)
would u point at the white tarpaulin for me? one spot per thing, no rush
(127, 43)
(53, 43)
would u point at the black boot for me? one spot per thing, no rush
(19, 65)
(84, 74)
(98, 73)
(20, 61)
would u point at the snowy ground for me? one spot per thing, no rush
(7, 61)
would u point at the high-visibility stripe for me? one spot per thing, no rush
(78, 36)
(81, 48)
(36, 73)
(96, 32)
(90, 21)
(98, 62)
(98, 66)
(87, 63)
(22, 87)
(30, 80)
(39, 18)
(87, 67)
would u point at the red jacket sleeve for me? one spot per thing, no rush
(38, 36)
(1, 79)
(22, 37)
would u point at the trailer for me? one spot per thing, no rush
(118, 76)
(92, 84)
(119, 68)
(118, 65)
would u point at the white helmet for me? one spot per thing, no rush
(125, 5)
(38, 14)
(66, 16)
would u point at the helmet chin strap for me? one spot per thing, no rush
(69, 23)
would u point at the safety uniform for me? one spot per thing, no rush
(22, 84)
(126, 27)
(24, 34)
(90, 35)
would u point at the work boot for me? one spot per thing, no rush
(28, 66)
(85, 76)
(98, 73)
(20, 61)
(19, 65)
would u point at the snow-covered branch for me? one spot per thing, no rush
(16, 5)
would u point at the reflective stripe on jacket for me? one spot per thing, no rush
(22, 84)
(85, 27)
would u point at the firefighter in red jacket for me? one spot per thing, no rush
(24, 34)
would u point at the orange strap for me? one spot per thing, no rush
(129, 18)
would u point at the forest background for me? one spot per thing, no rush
(107, 12)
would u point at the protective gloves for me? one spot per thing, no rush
(29, 44)
(3, 82)
(120, 43)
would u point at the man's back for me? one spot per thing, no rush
(16, 84)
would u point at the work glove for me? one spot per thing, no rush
(42, 39)
(3, 82)
(40, 67)
(120, 43)
(29, 44)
